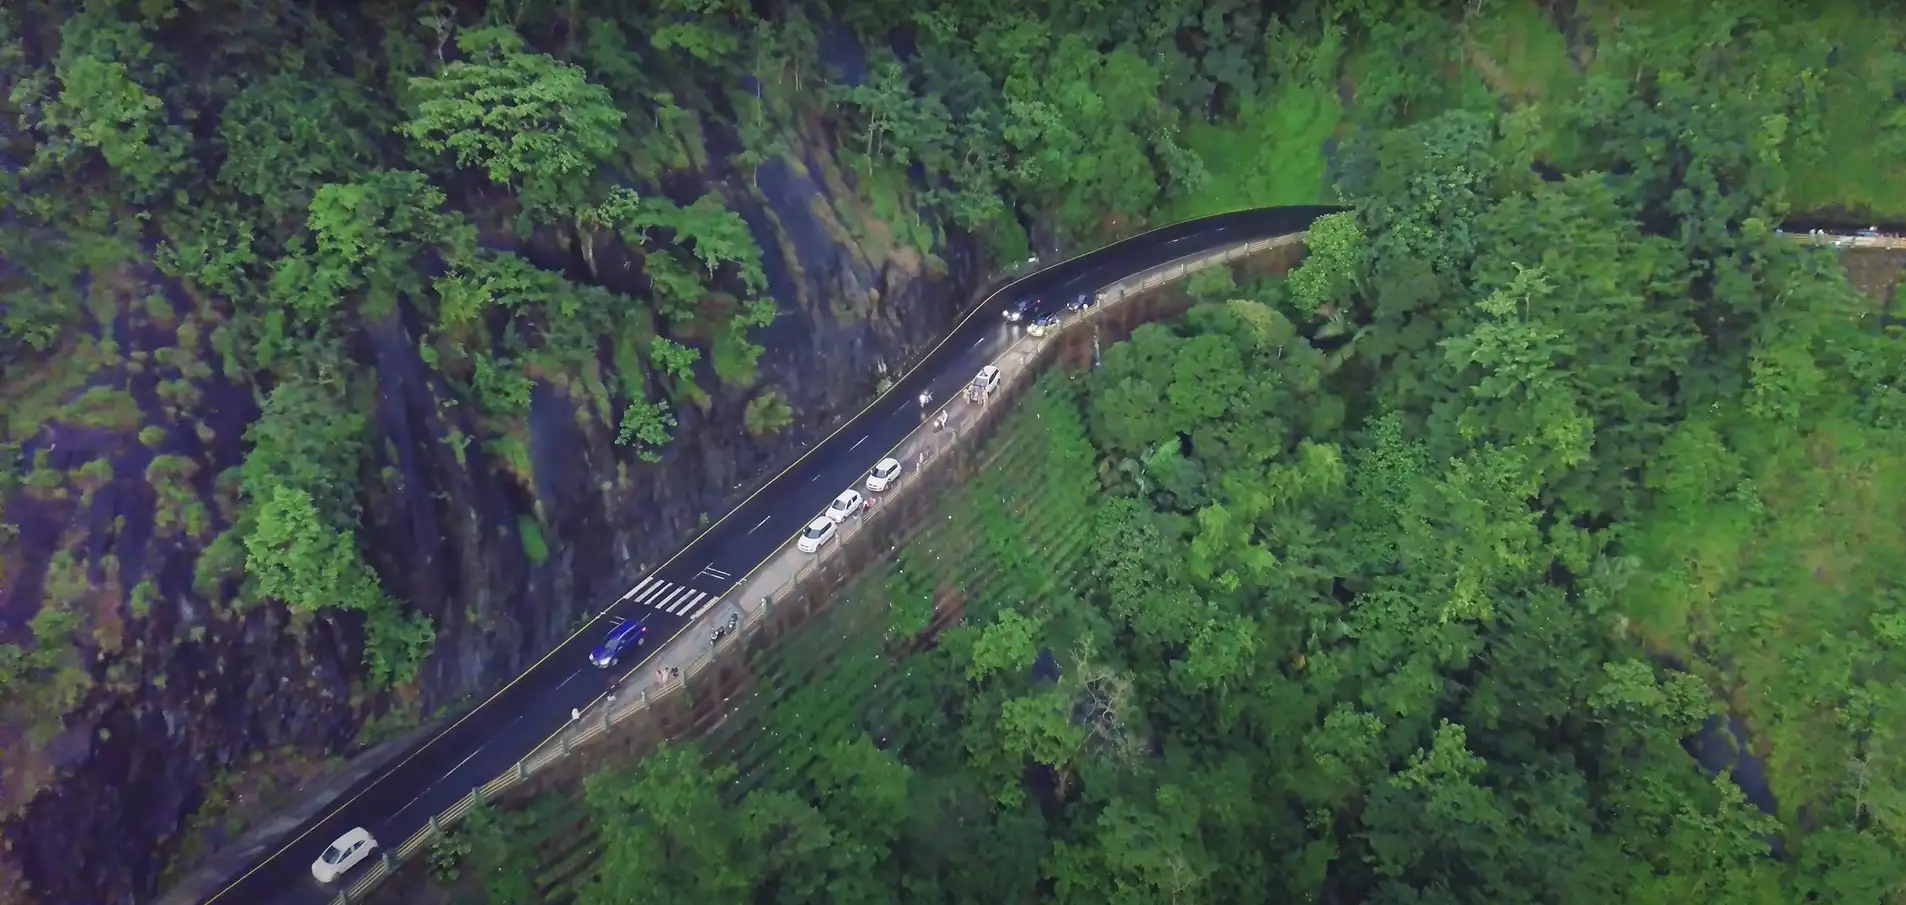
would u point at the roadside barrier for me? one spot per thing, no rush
(618, 710)
(1015, 373)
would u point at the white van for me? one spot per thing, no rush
(987, 380)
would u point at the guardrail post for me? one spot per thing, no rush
(522, 771)
(565, 744)
(645, 697)
(344, 896)
(388, 868)
(608, 714)
(436, 826)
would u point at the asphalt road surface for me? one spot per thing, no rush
(497, 733)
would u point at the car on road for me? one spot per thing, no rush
(885, 473)
(847, 504)
(1084, 301)
(987, 380)
(1043, 324)
(344, 854)
(1022, 308)
(620, 640)
(819, 531)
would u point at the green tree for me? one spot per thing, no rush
(673, 358)
(1137, 853)
(298, 523)
(527, 120)
(102, 104)
(767, 413)
(1331, 265)
(646, 426)
(288, 134)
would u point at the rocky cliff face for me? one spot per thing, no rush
(174, 703)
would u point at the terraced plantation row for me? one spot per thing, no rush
(1017, 531)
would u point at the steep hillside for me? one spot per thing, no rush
(201, 603)
(350, 353)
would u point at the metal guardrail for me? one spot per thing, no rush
(1841, 240)
(583, 731)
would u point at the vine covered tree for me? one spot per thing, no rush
(526, 120)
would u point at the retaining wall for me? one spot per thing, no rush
(790, 588)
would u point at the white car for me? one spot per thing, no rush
(885, 473)
(848, 503)
(819, 531)
(343, 855)
(987, 380)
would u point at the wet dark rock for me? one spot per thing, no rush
(191, 691)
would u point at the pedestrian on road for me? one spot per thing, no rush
(574, 714)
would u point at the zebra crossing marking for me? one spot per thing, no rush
(669, 597)
(705, 608)
(661, 587)
(687, 603)
(663, 603)
(635, 590)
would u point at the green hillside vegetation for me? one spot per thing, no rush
(1403, 582)
(1419, 577)
(298, 196)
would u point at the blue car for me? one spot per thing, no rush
(1022, 308)
(621, 640)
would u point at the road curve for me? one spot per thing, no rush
(493, 736)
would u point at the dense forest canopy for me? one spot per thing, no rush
(1418, 577)
(1413, 578)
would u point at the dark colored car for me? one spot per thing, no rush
(621, 639)
(1022, 309)
(1083, 302)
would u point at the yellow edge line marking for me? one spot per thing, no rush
(385, 772)
(776, 554)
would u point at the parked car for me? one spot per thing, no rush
(1044, 323)
(620, 640)
(819, 531)
(987, 380)
(848, 503)
(1084, 301)
(344, 854)
(885, 473)
(1021, 309)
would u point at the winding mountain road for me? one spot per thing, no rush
(494, 735)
